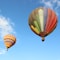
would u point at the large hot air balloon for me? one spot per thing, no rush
(42, 21)
(9, 40)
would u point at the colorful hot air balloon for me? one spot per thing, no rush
(9, 40)
(43, 21)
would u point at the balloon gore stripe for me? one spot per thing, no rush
(9, 40)
(42, 21)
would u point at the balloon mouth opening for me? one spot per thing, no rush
(43, 39)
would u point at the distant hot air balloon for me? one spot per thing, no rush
(42, 21)
(9, 40)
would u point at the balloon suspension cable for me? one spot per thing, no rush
(43, 38)
(6, 49)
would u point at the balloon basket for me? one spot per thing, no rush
(43, 39)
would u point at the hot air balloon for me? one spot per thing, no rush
(42, 21)
(9, 40)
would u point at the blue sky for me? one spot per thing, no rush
(28, 45)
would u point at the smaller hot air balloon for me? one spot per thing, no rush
(9, 40)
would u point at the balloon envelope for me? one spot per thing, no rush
(9, 40)
(42, 21)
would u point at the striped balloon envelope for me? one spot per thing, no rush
(9, 40)
(43, 21)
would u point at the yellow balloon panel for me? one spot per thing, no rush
(9, 40)
(8, 44)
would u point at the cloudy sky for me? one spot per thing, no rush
(14, 16)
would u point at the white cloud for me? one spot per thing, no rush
(48, 4)
(6, 26)
(54, 1)
(58, 2)
(53, 4)
(2, 51)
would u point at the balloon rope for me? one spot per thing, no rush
(6, 49)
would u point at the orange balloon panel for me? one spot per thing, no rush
(9, 40)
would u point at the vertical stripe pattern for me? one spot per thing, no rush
(43, 22)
